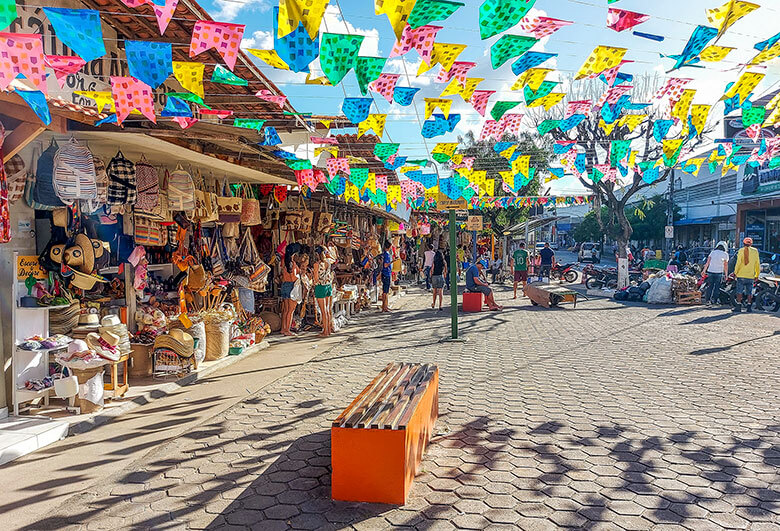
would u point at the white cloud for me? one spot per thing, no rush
(229, 9)
(264, 40)
(333, 23)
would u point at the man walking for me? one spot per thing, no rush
(387, 273)
(548, 258)
(747, 268)
(717, 265)
(520, 266)
(428, 264)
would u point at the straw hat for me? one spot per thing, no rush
(88, 318)
(110, 320)
(104, 344)
(196, 277)
(84, 281)
(178, 341)
(77, 346)
(81, 255)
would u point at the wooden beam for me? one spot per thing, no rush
(20, 137)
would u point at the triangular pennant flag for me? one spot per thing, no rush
(356, 109)
(698, 118)
(129, 94)
(601, 58)
(661, 128)
(335, 165)
(533, 78)
(79, 30)
(632, 121)
(224, 37)
(270, 57)
(744, 86)
(571, 122)
(176, 107)
(367, 70)
(458, 71)
(271, 137)
(541, 27)
(621, 20)
(64, 65)
(309, 13)
(374, 122)
(164, 14)
(249, 123)
(509, 46)
(544, 89)
(432, 104)
(479, 100)
(426, 11)
(385, 150)
(766, 54)
(714, 53)
(267, 95)
(337, 55)
(680, 109)
(530, 60)
(672, 150)
(397, 11)
(501, 107)
(420, 39)
(394, 194)
(37, 102)
(618, 150)
(510, 123)
(753, 115)
(184, 122)
(724, 16)
(22, 53)
(699, 39)
(148, 61)
(497, 16)
(465, 91)
(7, 13)
(226, 77)
(384, 85)
(187, 96)
(102, 99)
(444, 54)
(190, 76)
(297, 49)
(404, 96)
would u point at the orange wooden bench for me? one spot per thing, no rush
(377, 443)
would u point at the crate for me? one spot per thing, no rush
(689, 298)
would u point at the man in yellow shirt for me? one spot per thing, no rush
(746, 268)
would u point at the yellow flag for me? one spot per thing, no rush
(405, 169)
(747, 82)
(533, 77)
(490, 187)
(351, 192)
(683, 105)
(397, 12)
(394, 194)
(699, 114)
(431, 104)
(322, 80)
(270, 57)
(671, 146)
(190, 76)
(464, 172)
(607, 128)
(293, 12)
(102, 98)
(326, 123)
(370, 183)
(632, 121)
(724, 16)
(479, 177)
(521, 164)
(375, 122)
(356, 160)
(509, 178)
(697, 162)
(465, 91)
(333, 150)
(714, 53)
(767, 55)
(457, 158)
(444, 54)
(602, 58)
(432, 192)
(508, 152)
(549, 101)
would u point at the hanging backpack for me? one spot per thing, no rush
(5, 215)
(121, 181)
(181, 190)
(147, 183)
(42, 193)
(16, 175)
(74, 173)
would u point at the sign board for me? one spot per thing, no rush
(474, 223)
(445, 203)
(669, 232)
(29, 265)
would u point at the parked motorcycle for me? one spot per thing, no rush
(767, 293)
(607, 277)
(564, 272)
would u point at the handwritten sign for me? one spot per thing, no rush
(474, 223)
(445, 203)
(29, 265)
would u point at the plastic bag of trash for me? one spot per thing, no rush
(660, 292)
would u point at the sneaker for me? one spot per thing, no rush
(737, 308)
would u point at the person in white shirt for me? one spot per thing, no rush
(716, 267)
(428, 257)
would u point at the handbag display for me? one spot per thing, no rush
(217, 256)
(74, 173)
(121, 181)
(16, 176)
(181, 190)
(230, 230)
(39, 191)
(150, 232)
(147, 182)
(250, 207)
(229, 206)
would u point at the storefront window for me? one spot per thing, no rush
(755, 226)
(773, 230)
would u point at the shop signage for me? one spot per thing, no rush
(445, 203)
(29, 265)
(474, 223)
(669, 232)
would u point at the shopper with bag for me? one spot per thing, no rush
(323, 289)
(291, 280)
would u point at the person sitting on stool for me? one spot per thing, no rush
(475, 284)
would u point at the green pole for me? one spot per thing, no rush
(453, 276)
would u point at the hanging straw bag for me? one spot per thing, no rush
(325, 218)
(217, 254)
(250, 207)
(229, 206)
(254, 267)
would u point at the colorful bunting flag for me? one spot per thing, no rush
(190, 76)
(164, 14)
(356, 109)
(176, 107)
(420, 39)
(744, 86)
(541, 27)
(714, 53)
(404, 95)
(337, 55)
(307, 13)
(384, 85)
(602, 58)
(37, 102)
(129, 93)
(578, 107)
(530, 60)
(509, 46)
(224, 37)
(7, 13)
(444, 54)
(533, 77)
(267, 95)
(698, 118)
(64, 65)
(101, 98)
(335, 165)
(724, 16)
(683, 105)
(465, 91)
(226, 77)
(22, 53)
(621, 20)
(374, 122)
(426, 11)
(148, 61)
(571, 122)
(479, 100)
(249, 123)
(79, 30)
(367, 70)
(458, 71)
(700, 37)
(497, 16)
(661, 128)
(269, 57)
(672, 149)
(432, 104)
(397, 12)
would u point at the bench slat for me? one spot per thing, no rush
(351, 407)
(369, 399)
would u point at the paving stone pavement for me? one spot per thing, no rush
(607, 416)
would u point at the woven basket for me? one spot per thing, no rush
(217, 339)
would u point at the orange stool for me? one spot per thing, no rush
(377, 443)
(472, 301)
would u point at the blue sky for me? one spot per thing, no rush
(675, 20)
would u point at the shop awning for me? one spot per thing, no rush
(159, 151)
(694, 221)
(533, 224)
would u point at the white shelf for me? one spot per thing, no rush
(109, 270)
(34, 394)
(43, 307)
(41, 350)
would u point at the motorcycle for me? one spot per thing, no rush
(600, 278)
(564, 272)
(767, 294)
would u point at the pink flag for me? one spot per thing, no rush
(22, 53)
(335, 164)
(508, 190)
(491, 129)
(458, 71)
(510, 123)
(611, 73)
(541, 27)
(673, 89)
(612, 95)
(136, 3)
(384, 85)
(129, 94)
(219, 113)
(324, 140)
(479, 100)
(64, 65)
(381, 182)
(578, 107)
(409, 189)
(307, 177)
(222, 36)
(164, 13)
(185, 122)
(420, 39)
(620, 19)
(754, 132)
(269, 96)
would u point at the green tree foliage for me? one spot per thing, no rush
(647, 218)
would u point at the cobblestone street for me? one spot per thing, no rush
(606, 416)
